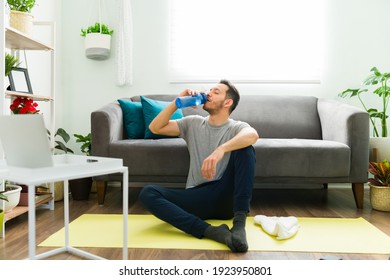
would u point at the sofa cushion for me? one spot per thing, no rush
(151, 108)
(164, 157)
(133, 118)
(281, 116)
(302, 158)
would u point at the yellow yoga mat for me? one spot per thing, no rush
(331, 235)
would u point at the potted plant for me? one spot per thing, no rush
(378, 81)
(60, 144)
(380, 185)
(24, 105)
(81, 188)
(20, 15)
(10, 63)
(86, 143)
(97, 41)
(61, 138)
(11, 195)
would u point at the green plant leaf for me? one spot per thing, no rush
(21, 5)
(96, 29)
(381, 172)
(10, 63)
(86, 142)
(3, 197)
(63, 134)
(382, 91)
(61, 146)
(352, 92)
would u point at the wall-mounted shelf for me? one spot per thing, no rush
(14, 94)
(18, 40)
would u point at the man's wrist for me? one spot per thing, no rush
(222, 148)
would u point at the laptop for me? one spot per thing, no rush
(25, 141)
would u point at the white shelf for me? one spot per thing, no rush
(13, 94)
(15, 39)
(19, 210)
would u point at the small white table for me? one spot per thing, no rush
(66, 167)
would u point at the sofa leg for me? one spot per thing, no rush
(101, 187)
(358, 193)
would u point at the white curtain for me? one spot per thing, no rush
(124, 44)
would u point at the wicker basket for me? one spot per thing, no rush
(22, 22)
(380, 198)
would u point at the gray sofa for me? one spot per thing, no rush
(303, 140)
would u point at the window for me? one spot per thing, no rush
(246, 40)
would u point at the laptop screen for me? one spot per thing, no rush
(25, 141)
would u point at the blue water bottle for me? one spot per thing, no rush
(191, 100)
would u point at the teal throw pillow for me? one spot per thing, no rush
(133, 118)
(151, 108)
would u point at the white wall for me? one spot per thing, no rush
(357, 39)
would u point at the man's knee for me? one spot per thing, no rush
(247, 153)
(147, 194)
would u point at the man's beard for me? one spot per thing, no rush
(215, 110)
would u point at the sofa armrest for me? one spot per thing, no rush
(106, 127)
(349, 125)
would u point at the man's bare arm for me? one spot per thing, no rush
(162, 124)
(246, 137)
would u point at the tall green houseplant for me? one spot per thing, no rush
(381, 88)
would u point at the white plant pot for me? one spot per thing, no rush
(13, 197)
(382, 146)
(97, 46)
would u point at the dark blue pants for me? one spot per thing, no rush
(186, 209)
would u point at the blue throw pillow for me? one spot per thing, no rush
(151, 108)
(133, 118)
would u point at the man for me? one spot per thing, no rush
(222, 166)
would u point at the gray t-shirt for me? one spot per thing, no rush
(202, 139)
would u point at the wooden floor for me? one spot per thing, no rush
(335, 201)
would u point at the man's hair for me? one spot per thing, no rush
(231, 93)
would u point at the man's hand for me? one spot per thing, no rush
(188, 92)
(185, 92)
(209, 166)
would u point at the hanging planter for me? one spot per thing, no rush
(97, 41)
(97, 46)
